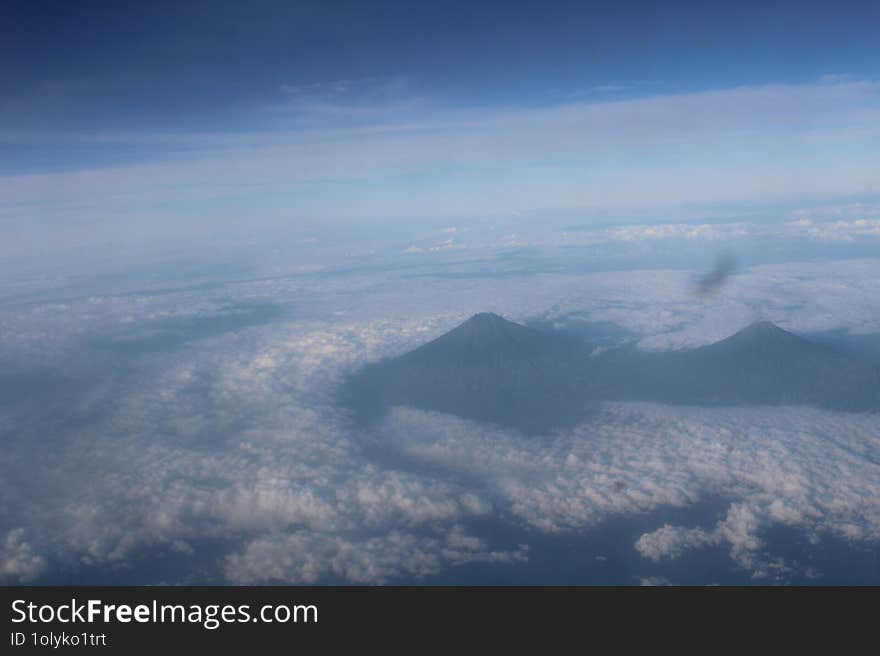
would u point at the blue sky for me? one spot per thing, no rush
(210, 65)
(160, 121)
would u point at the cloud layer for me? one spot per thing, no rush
(229, 449)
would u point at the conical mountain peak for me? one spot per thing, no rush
(487, 317)
(486, 368)
(489, 331)
(764, 332)
(487, 322)
(767, 342)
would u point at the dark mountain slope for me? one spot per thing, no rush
(488, 369)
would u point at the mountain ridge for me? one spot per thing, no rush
(491, 369)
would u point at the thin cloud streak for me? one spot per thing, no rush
(738, 146)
